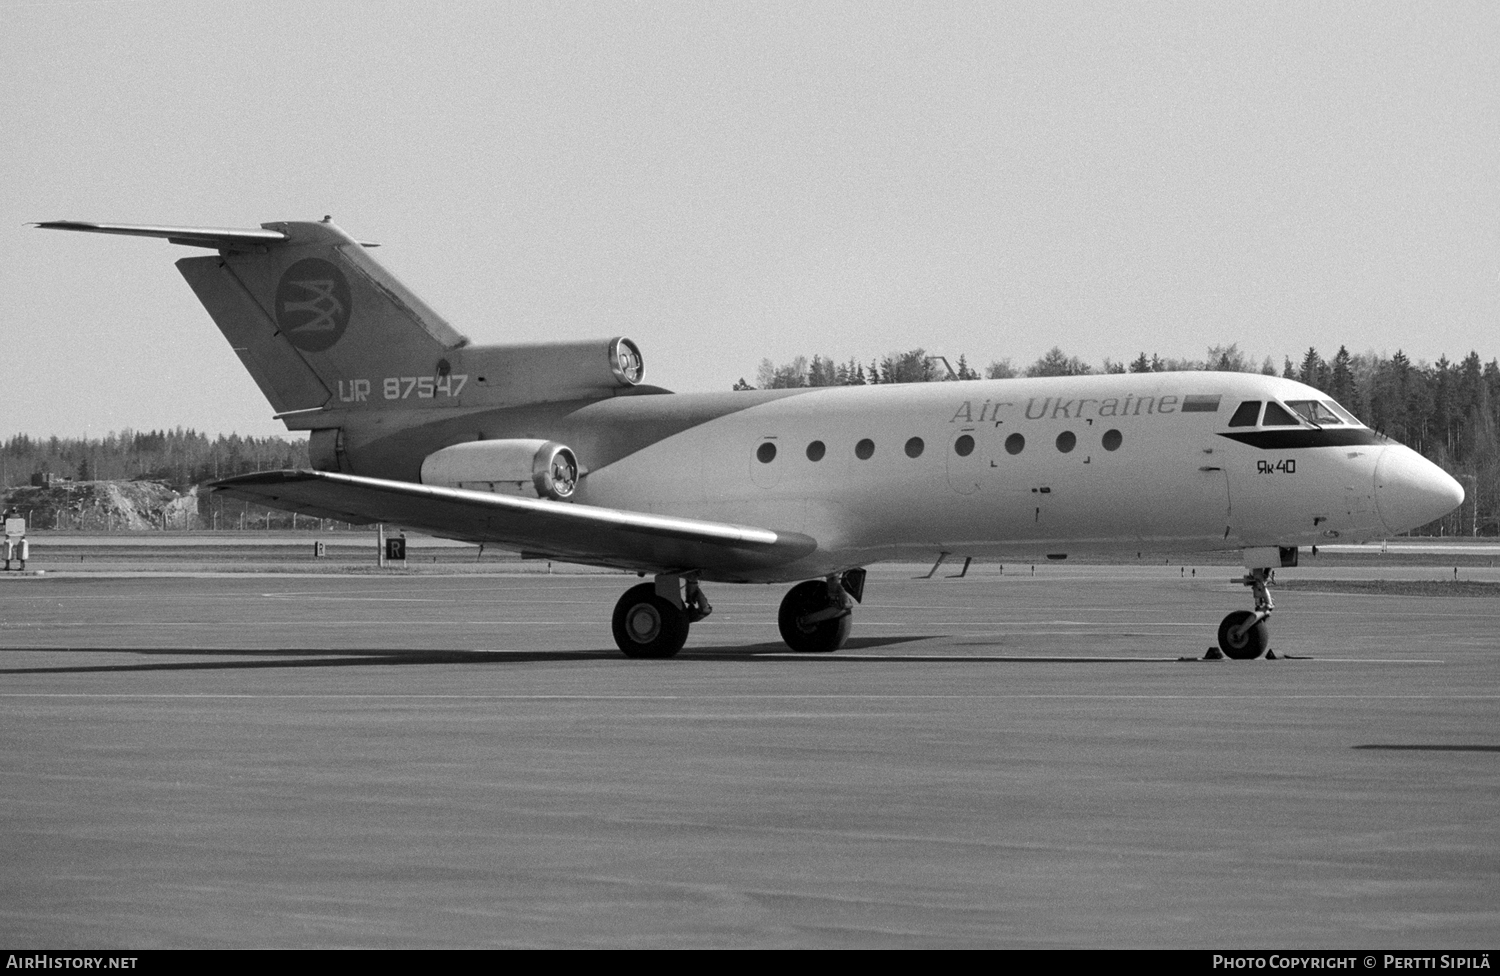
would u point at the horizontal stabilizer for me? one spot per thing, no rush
(579, 533)
(218, 237)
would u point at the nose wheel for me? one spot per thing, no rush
(1245, 634)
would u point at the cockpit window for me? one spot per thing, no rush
(1349, 418)
(1277, 416)
(1245, 414)
(1317, 411)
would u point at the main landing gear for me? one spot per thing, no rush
(816, 616)
(1245, 634)
(652, 619)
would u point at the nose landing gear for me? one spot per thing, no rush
(1245, 634)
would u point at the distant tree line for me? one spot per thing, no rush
(1448, 411)
(176, 457)
(918, 366)
(915, 366)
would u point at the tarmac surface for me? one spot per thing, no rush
(284, 760)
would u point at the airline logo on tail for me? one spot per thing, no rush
(312, 304)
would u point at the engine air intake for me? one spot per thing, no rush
(534, 468)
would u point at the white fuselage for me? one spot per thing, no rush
(1122, 462)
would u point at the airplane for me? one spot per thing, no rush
(559, 450)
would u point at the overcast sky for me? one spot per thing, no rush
(724, 182)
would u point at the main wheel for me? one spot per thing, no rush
(818, 638)
(647, 625)
(1251, 644)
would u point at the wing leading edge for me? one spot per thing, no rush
(577, 533)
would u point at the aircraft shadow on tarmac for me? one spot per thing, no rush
(1431, 748)
(246, 659)
(171, 659)
(294, 657)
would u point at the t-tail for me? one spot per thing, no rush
(323, 329)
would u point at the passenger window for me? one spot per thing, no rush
(864, 449)
(914, 447)
(1066, 441)
(1112, 440)
(1246, 414)
(964, 446)
(815, 451)
(766, 453)
(1015, 444)
(1277, 416)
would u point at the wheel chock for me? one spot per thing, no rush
(1271, 655)
(1214, 654)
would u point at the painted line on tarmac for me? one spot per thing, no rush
(757, 697)
(1091, 628)
(1052, 658)
(293, 622)
(698, 654)
(324, 597)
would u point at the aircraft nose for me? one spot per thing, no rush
(1411, 491)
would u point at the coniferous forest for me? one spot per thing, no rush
(179, 458)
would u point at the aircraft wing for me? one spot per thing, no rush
(559, 530)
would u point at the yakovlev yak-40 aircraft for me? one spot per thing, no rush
(558, 450)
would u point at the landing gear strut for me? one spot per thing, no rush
(1245, 634)
(816, 616)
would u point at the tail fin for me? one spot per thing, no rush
(325, 330)
(312, 316)
(315, 318)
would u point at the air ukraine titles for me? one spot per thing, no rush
(1058, 408)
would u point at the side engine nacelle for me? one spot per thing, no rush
(537, 469)
(548, 372)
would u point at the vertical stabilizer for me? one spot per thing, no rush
(326, 331)
(313, 317)
(316, 320)
(280, 372)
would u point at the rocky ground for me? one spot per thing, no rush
(106, 506)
